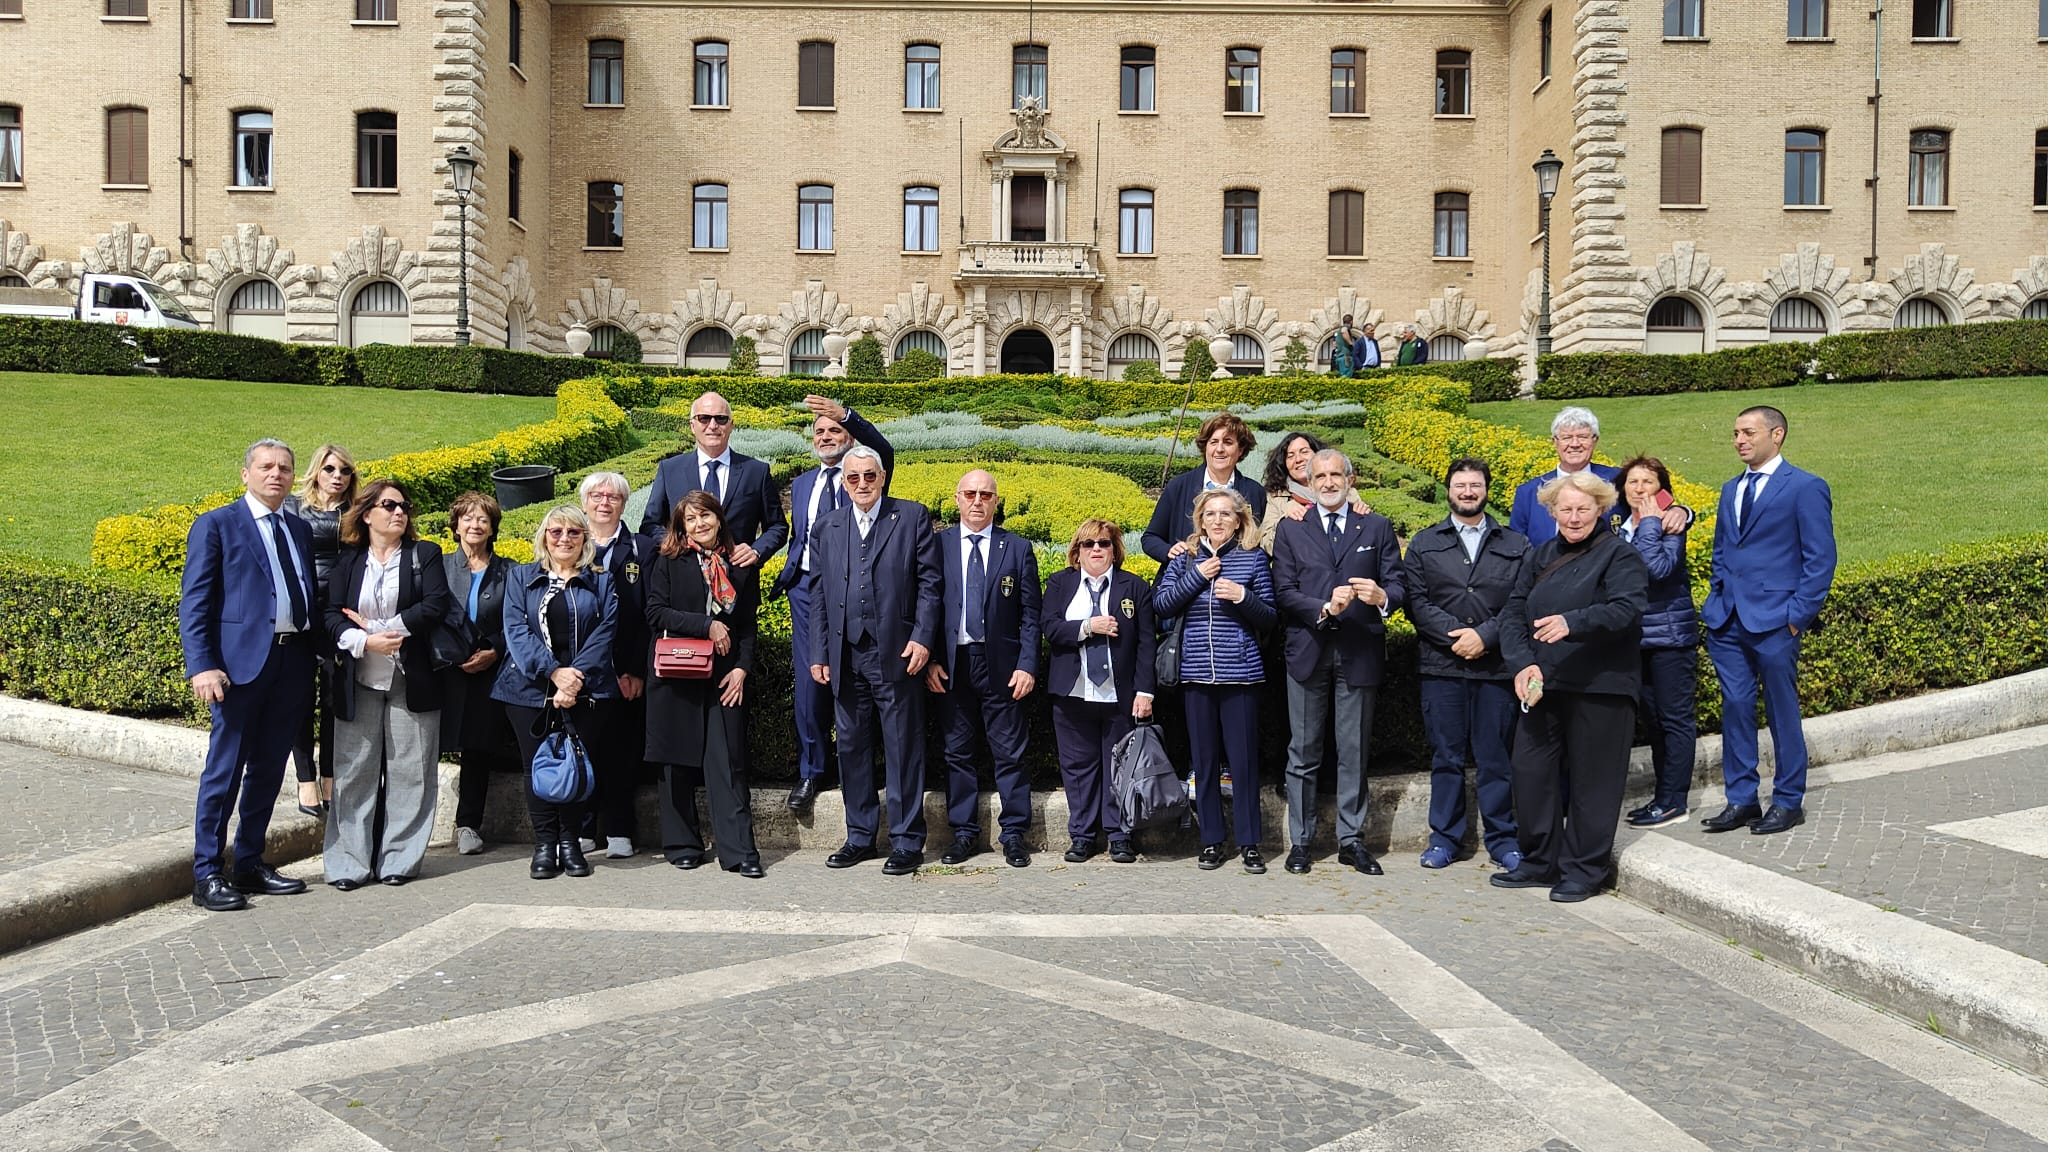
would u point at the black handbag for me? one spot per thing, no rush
(451, 642)
(1166, 657)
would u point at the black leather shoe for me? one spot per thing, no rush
(1211, 858)
(1523, 877)
(964, 848)
(547, 862)
(1123, 852)
(1571, 892)
(902, 862)
(317, 813)
(572, 858)
(803, 795)
(1015, 854)
(1254, 860)
(1355, 857)
(263, 880)
(688, 860)
(850, 854)
(1635, 814)
(1778, 819)
(1297, 860)
(394, 881)
(751, 869)
(1080, 852)
(1732, 817)
(215, 894)
(344, 885)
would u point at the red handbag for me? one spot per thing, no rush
(682, 658)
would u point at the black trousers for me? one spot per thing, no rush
(552, 823)
(306, 761)
(474, 784)
(617, 744)
(1670, 688)
(975, 706)
(1087, 734)
(724, 777)
(1571, 762)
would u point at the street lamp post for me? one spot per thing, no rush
(462, 173)
(1547, 166)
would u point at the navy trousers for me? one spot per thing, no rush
(1086, 735)
(1667, 703)
(865, 701)
(1470, 722)
(813, 701)
(253, 730)
(976, 705)
(1745, 661)
(1223, 725)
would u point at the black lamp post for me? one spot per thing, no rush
(1548, 167)
(462, 173)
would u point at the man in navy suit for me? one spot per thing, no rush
(743, 485)
(1574, 432)
(813, 494)
(1774, 558)
(1337, 576)
(246, 624)
(985, 665)
(877, 619)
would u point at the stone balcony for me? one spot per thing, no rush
(1020, 261)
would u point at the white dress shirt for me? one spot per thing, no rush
(818, 488)
(377, 603)
(724, 462)
(282, 619)
(988, 561)
(1078, 609)
(1763, 481)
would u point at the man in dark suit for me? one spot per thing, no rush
(1574, 432)
(813, 494)
(1774, 559)
(743, 485)
(985, 665)
(878, 617)
(246, 624)
(1336, 576)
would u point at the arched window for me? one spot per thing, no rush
(1921, 312)
(1675, 325)
(1247, 355)
(1129, 349)
(1446, 347)
(1927, 168)
(712, 82)
(1326, 352)
(607, 72)
(379, 313)
(920, 340)
(1679, 172)
(10, 280)
(2036, 309)
(1797, 320)
(708, 348)
(257, 309)
(603, 338)
(807, 353)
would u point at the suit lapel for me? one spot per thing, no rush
(1764, 499)
(885, 523)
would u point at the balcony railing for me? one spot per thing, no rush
(1021, 259)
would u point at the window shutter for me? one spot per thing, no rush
(1679, 172)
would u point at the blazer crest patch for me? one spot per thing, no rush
(1129, 606)
(632, 572)
(1008, 585)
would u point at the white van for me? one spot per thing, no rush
(102, 299)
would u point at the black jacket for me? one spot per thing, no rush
(1131, 650)
(1601, 596)
(1446, 592)
(1173, 518)
(469, 718)
(1304, 575)
(627, 561)
(423, 602)
(678, 711)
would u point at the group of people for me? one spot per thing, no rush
(1354, 350)
(1541, 643)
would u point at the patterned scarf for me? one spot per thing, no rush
(711, 561)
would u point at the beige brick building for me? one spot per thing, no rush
(693, 171)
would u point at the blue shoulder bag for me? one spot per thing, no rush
(561, 765)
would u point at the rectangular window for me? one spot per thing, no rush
(133, 8)
(249, 10)
(2040, 159)
(712, 80)
(10, 143)
(814, 218)
(1927, 169)
(1685, 19)
(1134, 221)
(127, 146)
(1453, 224)
(514, 31)
(607, 72)
(380, 10)
(252, 150)
(1453, 82)
(1347, 222)
(376, 150)
(1027, 74)
(1806, 19)
(515, 169)
(1805, 165)
(1933, 20)
(10, 7)
(1241, 80)
(708, 203)
(814, 74)
(921, 76)
(1679, 172)
(1240, 222)
(1347, 72)
(921, 219)
(604, 220)
(1138, 78)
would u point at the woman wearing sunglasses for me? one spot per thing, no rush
(324, 493)
(385, 595)
(1098, 620)
(560, 617)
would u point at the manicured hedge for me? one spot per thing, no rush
(32, 345)
(2002, 348)
(103, 641)
(224, 356)
(1587, 374)
(479, 369)
(1494, 378)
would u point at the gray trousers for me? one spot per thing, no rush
(384, 787)
(1308, 704)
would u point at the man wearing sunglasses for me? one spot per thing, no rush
(742, 484)
(878, 616)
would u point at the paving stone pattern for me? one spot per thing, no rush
(132, 1136)
(54, 806)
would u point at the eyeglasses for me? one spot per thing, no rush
(860, 479)
(394, 506)
(714, 418)
(565, 533)
(1574, 438)
(977, 494)
(602, 495)
(1105, 543)
(337, 470)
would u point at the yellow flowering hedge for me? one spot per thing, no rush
(1042, 502)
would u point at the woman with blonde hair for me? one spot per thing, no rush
(325, 491)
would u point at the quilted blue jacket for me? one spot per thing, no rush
(1221, 643)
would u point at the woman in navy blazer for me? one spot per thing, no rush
(560, 617)
(1089, 606)
(1671, 640)
(1224, 441)
(1223, 584)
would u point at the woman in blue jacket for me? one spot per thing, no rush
(1671, 633)
(560, 617)
(1221, 588)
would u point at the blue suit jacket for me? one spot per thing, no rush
(906, 582)
(1009, 602)
(1533, 520)
(753, 509)
(228, 610)
(1773, 571)
(800, 488)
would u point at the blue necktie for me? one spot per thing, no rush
(977, 590)
(711, 484)
(1748, 497)
(292, 586)
(830, 480)
(1336, 540)
(1095, 653)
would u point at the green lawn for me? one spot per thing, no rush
(80, 448)
(1914, 465)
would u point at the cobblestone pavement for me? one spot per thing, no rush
(52, 806)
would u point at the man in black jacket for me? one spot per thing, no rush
(1460, 573)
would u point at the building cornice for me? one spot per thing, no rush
(1120, 7)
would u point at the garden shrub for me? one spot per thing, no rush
(864, 359)
(224, 356)
(1589, 374)
(1196, 363)
(1494, 378)
(1294, 358)
(2001, 348)
(744, 359)
(915, 365)
(1042, 502)
(28, 344)
(625, 348)
(103, 641)
(1144, 372)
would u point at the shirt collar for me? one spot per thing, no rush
(1769, 468)
(257, 508)
(724, 458)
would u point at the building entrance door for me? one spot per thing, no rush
(1027, 207)
(1027, 352)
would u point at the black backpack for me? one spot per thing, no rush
(1143, 782)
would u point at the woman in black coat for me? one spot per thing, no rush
(697, 728)
(473, 724)
(327, 489)
(1573, 628)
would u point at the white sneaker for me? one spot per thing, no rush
(468, 842)
(617, 847)
(586, 843)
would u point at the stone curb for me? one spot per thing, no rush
(1975, 993)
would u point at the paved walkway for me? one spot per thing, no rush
(53, 806)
